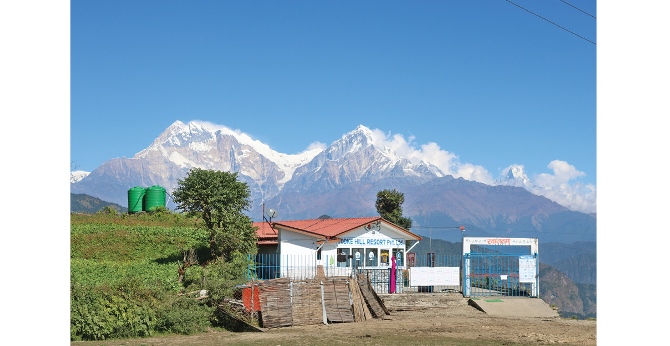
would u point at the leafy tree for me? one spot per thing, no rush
(389, 206)
(219, 199)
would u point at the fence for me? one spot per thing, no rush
(505, 270)
(301, 267)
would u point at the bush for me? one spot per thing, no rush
(104, 313)
(109, 210)
(184, 315)
(220, 277)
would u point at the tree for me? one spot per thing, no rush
(389, 206)
(220, 200)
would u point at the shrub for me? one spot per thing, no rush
(108, 210)
(103, 313)
(220, 277)
(184, 315)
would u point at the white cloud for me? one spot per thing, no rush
(559, 187)
(446, 161)
(316, 146)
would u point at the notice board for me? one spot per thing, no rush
(434, 276)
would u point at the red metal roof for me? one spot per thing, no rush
(264, 231)
(332, 228)
(327, 228)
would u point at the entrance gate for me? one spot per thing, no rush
(500, 267)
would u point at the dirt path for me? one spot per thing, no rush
(448, 320)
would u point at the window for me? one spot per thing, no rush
(358, 257)
(384, 259)
(345, 253)
(399, 258)
(371, 257)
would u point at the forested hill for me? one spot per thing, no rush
(83, 203)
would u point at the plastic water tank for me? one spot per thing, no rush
(135, 199)
(154, 198)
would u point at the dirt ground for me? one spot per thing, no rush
(417, 320)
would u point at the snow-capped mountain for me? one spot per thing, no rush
(516, 177)
(209, 146)
(76, 176)
(357, 157)
(204, 145)
(340, 180)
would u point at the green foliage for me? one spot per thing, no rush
(149, 274)
(220, 277)
(220, 200)
(194, 278)
(121, 311)
(108, 210)
(389, 206)
(113, 242)
(124, 275)
(159, 217)
(184, 315)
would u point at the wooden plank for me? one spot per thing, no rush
(370, 296)
(337, 301)
(379, 300)
(361, 310)
(237, 324)
(320, 273)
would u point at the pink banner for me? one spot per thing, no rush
(392, 280)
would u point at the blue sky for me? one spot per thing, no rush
(487, 81)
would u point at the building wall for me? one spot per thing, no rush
(362, 248)
(383, 244)
(297, 255)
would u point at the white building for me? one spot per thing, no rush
(332, 247)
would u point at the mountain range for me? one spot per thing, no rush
(340, 180)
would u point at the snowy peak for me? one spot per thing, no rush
(361, 139)
(351, 142)
(516, 176)
(76, 176)
(205, 145)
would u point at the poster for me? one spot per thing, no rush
(527, 268)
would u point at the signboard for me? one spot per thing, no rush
(527, 268)
(434, 276)
(389, 242)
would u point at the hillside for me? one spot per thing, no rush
(83, 203)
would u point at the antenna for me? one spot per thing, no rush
(271, 213)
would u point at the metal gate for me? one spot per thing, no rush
(500, 267)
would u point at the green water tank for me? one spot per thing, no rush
(154, 198)
(135, 198)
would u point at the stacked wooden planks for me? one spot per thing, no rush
(361, 310)
(323, 300)
(375, 304)
(275, 301)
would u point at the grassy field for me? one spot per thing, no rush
(124, 279)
